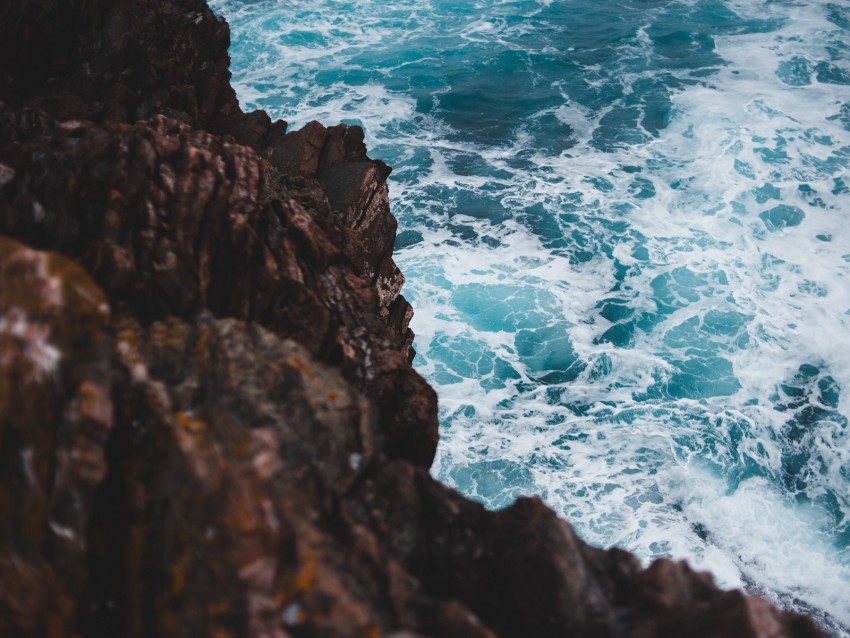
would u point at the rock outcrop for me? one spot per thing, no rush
(209, 424)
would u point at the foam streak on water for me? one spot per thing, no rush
(623, 227)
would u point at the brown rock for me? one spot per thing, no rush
(55, 416)
(226, 436)
(297, 153)
(171, 220)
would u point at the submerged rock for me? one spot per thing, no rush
(209, 424)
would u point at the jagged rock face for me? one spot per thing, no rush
(209, 425)
(295, 233)
(172, 220)
(229, 439)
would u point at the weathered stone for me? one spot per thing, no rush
(226, 432)
(55, 416)
(172, 220)
(297, 153)
(389, 282)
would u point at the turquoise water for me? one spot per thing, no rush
(624, 230)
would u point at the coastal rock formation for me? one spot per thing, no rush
(209, 424)
(171, 220)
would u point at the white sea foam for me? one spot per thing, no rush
(765, 534)
(791, 282)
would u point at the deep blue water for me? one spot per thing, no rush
(624, 230)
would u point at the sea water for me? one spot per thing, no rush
(624, 227)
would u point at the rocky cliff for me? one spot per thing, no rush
(209, 425)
